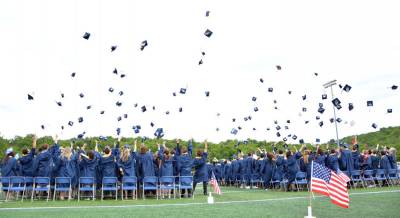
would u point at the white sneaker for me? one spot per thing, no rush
(247, 187)
(266, 189)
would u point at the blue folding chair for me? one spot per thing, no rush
(86, 184)
(185, 183)
(368, 178)
(109, 184)
(392, 176)
(62, 184)
(41, 184)
(5, 185)
(167, 183)
(380, 177)
(150, 184)
(129, 183)
(300, 180)
(17, 185)
(356, 178)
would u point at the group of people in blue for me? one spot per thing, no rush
(240, 169)
(55, 161)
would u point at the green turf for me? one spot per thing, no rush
(361, 205)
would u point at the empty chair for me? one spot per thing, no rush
(109, 184)
(150, 184)
(392, 176)
(300, 180)
(129, 183)
(368, 178)
(62, 184)
(86, 184)
(41, 185)
(167, 185)
(5, 185)
(28, 187)
(356, 178)
(17, 185)
(380, 177)
(186, 183)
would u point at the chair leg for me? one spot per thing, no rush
(79, 193)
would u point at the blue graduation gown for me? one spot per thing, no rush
(267, 170)
(90, 167)
(201, 171)
(320, 159)
(356, 160)
(42, 164)
(346, 161)
(9, 168)
(67, 168)
(26, 164)
(280, 165)
(129, 166)
(333, 162)
(107, 166)
(293, 167)
(392, 161)
(145, 164)
(167, 166)
(385, 163)
(235, 169)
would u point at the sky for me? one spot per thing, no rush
(355, 42)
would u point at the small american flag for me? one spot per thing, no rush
(214, 184)
(328, 183)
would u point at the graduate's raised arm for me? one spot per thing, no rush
(205, 146)
(96, 147)
(135, 145)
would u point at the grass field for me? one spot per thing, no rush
(372, 202)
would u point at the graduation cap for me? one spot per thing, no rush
(174, 93)
(340, 86)
(207, 13)
(324, 96)
(159, 133)
(217, 129)
(276, 108)
(278, 134)
(111, 89)
(304, 109)
(351, 106)
(203, 53)
(88, 107)
(207, 93)
(59, 103)
(394, 87)
(119, 118)
(118, 103)
(200, 61)
(115, 71)
(70, 123)
(320, 105)
(317, 118)
(234, 131)
(285, 145)
(254, 129)
(239, 127)
(143, 45)
(278, 67)
(275, 101)
(42, 126)
(154, 108)
(143, 108)
(301, 141)
(270, 89)
(167, 112)
(121, 93)
(321, 110)
(249, 117)
(30, 97)
(389, 111)
(374, 125)
(208, 33)
(152, 124)
(86, 35)
(101, 112)
(255, 109)
(103, 138)
(332, 120)
(182, 91)
(113, 48)
(304, 97)
(275, 122)
(118, 131)
(80, 119)
(80, 136)
(268, 129)
(278, 127)
(347, 88)
(123, 75)
(245, 118)
(286, 127)
(370, 103)
(62, 95)
(261, 80)
(135, 105)
(62, 127)
(336, 102)
(317, 140)
(254, 99)
(233, 119)
(180, 109)
(316, 74)
(73, 74)
(306, 122)
(284, 139)
(81, 95)
(338, 119)
(294, 137)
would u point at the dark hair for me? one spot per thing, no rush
(166, 154)
(91, 155)
(199, 153)
(288, 154)
(8, 156)
(184, 149)
(369, 151)
(270, 156)
(320, 151)
(45, 146)
(333, 151)
(143, 149)
(280, 151)
(107, 150)
(383, 153)
(25, 151)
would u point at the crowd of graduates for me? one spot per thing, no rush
(258, 169)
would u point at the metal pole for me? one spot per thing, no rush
(334, 115)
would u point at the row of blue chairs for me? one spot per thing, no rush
(373, 177)
(36, 185)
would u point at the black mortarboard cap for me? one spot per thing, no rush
(320, 105)
(278, 134)
(332, 120)
(208, 33)
(316, 74)
(167, 112)
(174, 93)
(317, 140)
(182, 91)
(113, 48)
(374, 125)
(304, 97)
(30, 97)
(301, 141)
(80, 119)
(268, 129)
(70, 123)
(305, 122)
(321, 110)
(144, 109)
(88, 107)
(121, 93)
(287, 121)
(200, 61)
(389, 110)
(62, 127)
(324, 96)
(180, 109)
(73, 74)
(143, 45)
(278, 127)
(370, 103)
(284, 139)
(394, 87)
(101, 112)
(270, 89)
(261, 80)
(152, 124)
(159, 133)
(125, 116)
(233, 119)
(351, 106)
(336, 102)
(154, 108)
(304, 109)
(118, 130)
(340, 86)
(275, 101)
(81, 95)
(122, 75)
(254, 99)
(118, 103)
(42, 126)
(59, 103)
(245, 118)
(239, 127)
(207, 93)
(234, 131)
(203, 53)
(294, 137)
(62, 95)
(86, 35)
(278, 67)
(115, 71)
(317, 118)
(286, 127)
(275, 122)
(338, 119)
(255, 109)
(347, 88)
(110, 89)
(207, 13)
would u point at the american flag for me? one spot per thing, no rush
(328, 183)
(214, 184)
(343, 176)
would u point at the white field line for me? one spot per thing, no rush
(179, 204)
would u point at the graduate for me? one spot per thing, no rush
(201, 172)
(65, 165)
(306, 161)
(267, 169)
(346, 160)
(332, 161)
(355, 155)
(44, 161)
(320, 157)
(145, 163)
(26, 161)
(292, 166)
(235, 169)
(280, 166)
(9, 165)
(392, 158)
(88, 163)
(127, 161)
(185, 163)
(373, 161)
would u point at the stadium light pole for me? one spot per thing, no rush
(329, 85)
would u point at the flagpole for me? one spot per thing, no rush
(309, 209)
